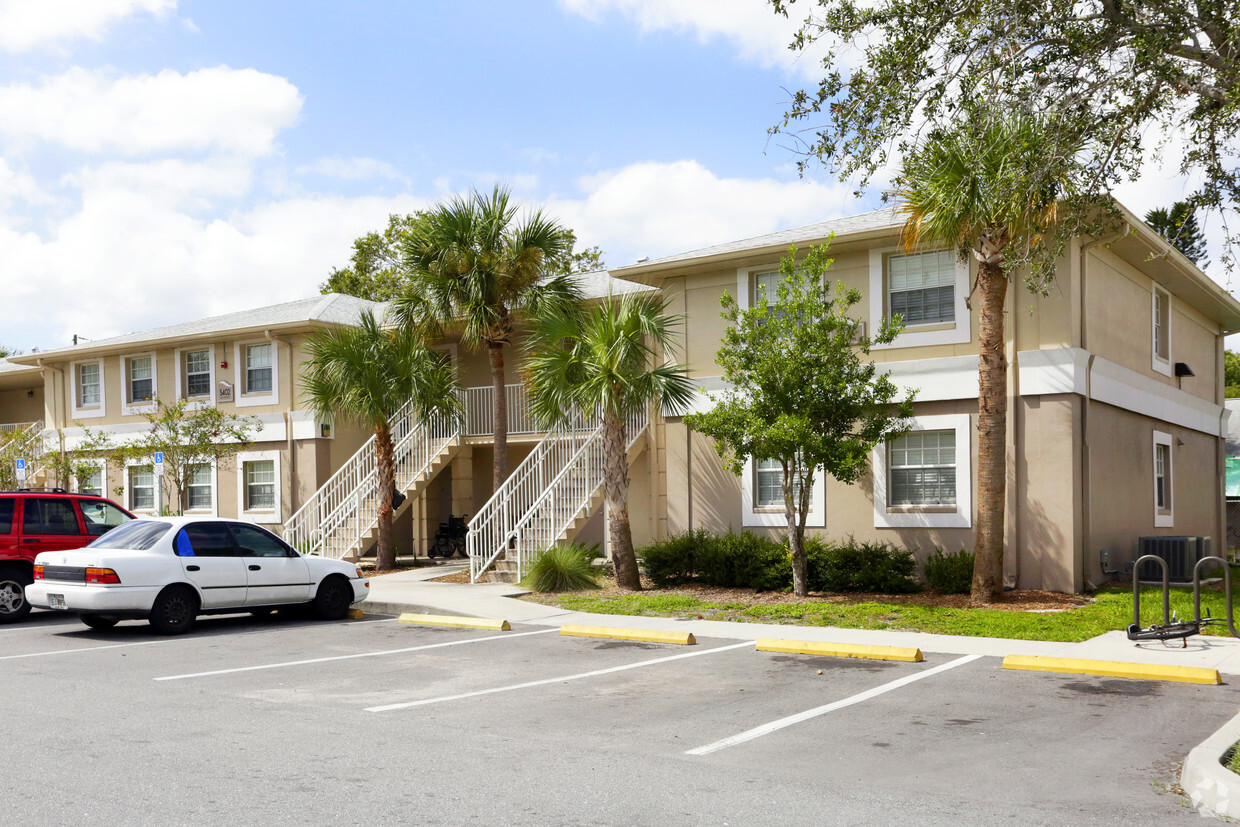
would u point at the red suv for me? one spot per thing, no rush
(34, 520)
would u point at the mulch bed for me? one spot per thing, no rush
(1019, 600)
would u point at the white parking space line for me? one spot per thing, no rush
(561, 679)
(189, 639)
(353, 656)
(767, 729)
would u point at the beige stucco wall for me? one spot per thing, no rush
(21, 404)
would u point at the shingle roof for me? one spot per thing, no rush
(333, 308)
(600, 283)
(875, 220)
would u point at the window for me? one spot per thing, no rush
(92, 483)
(7, 506)
(766, 287)
(88, 384)
(922, 468)
(921, 287)
(260, 485)
(44, 515)
(197, 373)
(101, 516)
(1160, 320)
(141, 379)
(256, 542)
(141, 488)
(198, 487)
(204, 540)
(138, 534)
(257, 369)
(1164, 512)
(768, 483)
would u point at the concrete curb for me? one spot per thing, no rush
(1213, 789)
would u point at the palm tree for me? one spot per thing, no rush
(475, 268)
(991, 187)
(603, 358)
(365, 374)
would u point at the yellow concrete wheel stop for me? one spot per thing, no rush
(457, 622)
(839, 650)
(1113, 669)
(615, 633)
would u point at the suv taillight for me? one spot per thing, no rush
(102, 576)
(38, 571)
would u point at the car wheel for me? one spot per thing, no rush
(99, 621)
(174, 611)
(13, 603)
(333, 599)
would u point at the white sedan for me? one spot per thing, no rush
(169, 570)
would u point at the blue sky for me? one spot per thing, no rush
(162, 160)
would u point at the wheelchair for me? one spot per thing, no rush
(450, 538)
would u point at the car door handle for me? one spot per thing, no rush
(255, 568)
(193, 568)
(32, 541)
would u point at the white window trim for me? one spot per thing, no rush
(962, 516)
(266, 516)
(127, 407)
(102, 465)
(775, 517)
(1165, 367)
(151, 512)
(249, 400)
(1163, 519)
(195, 402)
(214, 510)
(960, 333)
(92, 411)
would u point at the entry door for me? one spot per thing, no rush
(274, 572)
(210, 561)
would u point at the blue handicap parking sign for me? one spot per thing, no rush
(21, 465)
(159, 457)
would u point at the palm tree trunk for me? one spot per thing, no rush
(616, 491)
(385, 558)
(499, 415)
(992, 436)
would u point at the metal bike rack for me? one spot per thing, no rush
(1170, 628)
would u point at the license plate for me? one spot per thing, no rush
(57, 601)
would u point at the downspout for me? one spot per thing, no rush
(294, 499)
(1220, 455)
(1086, 468)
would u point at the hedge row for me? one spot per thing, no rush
(755, 562)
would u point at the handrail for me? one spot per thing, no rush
(27, 444)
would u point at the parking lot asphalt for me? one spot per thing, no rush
(280, 721)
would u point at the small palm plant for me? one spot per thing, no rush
(564, 569)
(365, 374)
(606, 358)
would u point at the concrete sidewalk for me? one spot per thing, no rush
(413, 591)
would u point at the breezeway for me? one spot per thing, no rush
(519, 726)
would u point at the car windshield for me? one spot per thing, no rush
(139, 535)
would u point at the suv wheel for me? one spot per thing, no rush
(13, 603)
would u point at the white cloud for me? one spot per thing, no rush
(173, 183)
(232, 110)
(351, 169)
(759, 35)
(31, 24)
(658, 209)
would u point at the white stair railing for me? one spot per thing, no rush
(337, 518)
(25, 441)
(543, 496)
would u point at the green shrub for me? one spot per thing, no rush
(670, 562)
(950, 573)
(873, 567)
(563, 569)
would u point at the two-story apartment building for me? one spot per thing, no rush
(1115, 414)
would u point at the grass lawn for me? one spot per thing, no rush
(1110, 610)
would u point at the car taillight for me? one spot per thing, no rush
(38, 572)
(103, 576)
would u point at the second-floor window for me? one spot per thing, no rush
(766, 288)
(88, 384)
(921, 287)
(197, 373)
(258, 368)
(1162, 325)
(141, 379)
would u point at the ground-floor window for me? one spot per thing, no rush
(1164, 512)
(198, 487)
(260, 484)
(922, 468)
(924, 479)
(141, 488)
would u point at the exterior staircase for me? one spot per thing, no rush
(341, 519)
(23, 441)
(546, 500)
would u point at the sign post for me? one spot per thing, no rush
(159, 483)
